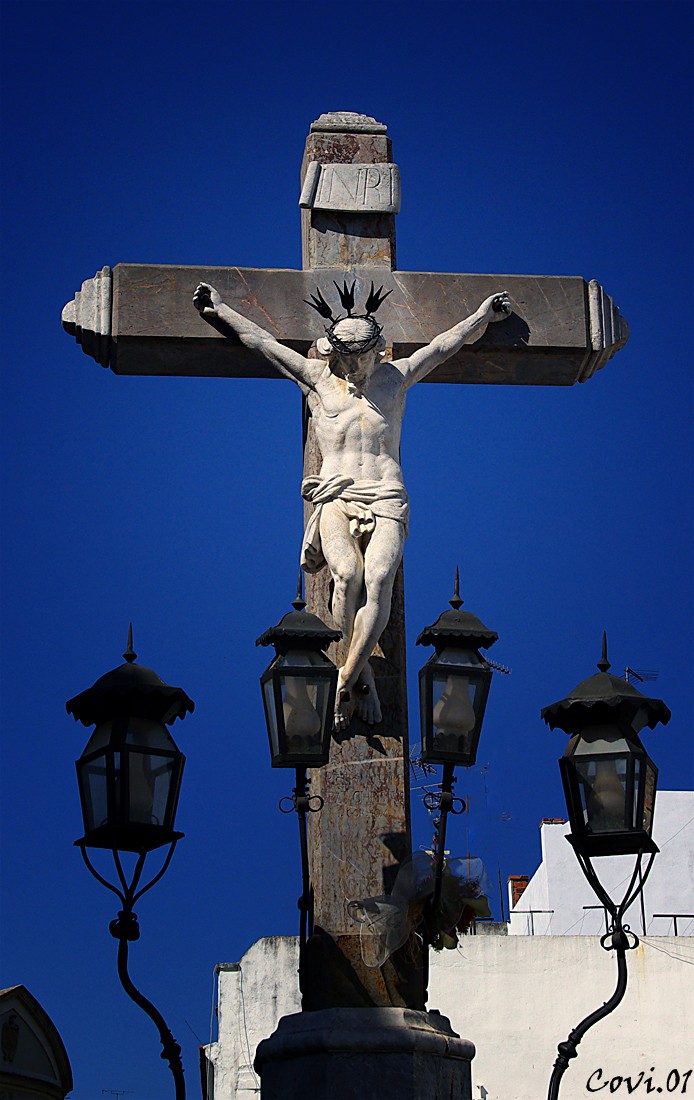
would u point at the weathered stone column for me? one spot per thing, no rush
(363, 831)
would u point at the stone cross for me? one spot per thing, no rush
(138, 319)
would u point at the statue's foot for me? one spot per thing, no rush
(367, 705)
(344, 708)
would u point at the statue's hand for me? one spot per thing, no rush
(497, 307)
(206, 299)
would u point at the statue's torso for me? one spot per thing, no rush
(359, 433)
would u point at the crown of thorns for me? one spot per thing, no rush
(374, 300)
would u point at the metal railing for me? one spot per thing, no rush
(674, 917)
(531, 913)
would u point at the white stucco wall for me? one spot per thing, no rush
(516, 998)
(558, 884)
(251, 997)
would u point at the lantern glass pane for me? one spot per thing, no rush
(453, 690)
(149, 783)
(634, 822)
(459, 685)
(151, 765)
(128, 775)
(271, 713)
(455, 703)
(299, 692)
(649, 797)
(610, 786)
(603, 790)
(93, 793)
(304, 710)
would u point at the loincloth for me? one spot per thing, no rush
(362, 502)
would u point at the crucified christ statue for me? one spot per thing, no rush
(357, 400)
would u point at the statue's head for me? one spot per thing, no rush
(350, 340)
(353, 336)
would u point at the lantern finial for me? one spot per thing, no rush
(603, 663)
(299, 603)
(455, 601)
(130, 653)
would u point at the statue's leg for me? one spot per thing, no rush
(381, 560)
(346, 564)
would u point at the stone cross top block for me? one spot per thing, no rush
(354, 187)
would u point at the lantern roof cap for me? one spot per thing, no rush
(299, 625)
(458, 624)
(130, 689)
(603, 690)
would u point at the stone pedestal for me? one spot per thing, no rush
(365, 1054)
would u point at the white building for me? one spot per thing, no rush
(559, 902)
(517, 995)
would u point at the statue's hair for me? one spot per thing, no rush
(326, 350)
(360, 332)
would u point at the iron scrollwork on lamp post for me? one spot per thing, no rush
(453, 691)
(609, 785)
(129, 779)
(299, 688)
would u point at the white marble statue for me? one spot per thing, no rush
(359, 523)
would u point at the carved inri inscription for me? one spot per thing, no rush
(367, 188)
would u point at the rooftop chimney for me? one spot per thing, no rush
(516, 888)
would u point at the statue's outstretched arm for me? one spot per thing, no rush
(226, 320)
(442, 347)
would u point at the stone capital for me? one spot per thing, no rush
(345, 122)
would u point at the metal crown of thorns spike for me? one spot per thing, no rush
(356, 346)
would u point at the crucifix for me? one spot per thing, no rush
(139, 319)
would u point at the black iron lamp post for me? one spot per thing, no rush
(129, 779)
(610, 785)
(453, 691)
(299, 688)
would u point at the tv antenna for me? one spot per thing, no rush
(640, 674)
(116, 1092)
(496, 667)
(419, 768)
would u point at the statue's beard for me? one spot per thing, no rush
(355, 379)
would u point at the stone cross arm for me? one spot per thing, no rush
(139, 319)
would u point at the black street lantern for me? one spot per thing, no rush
(130, 772)
(299, 689)
(129, 779)
(609, 780)
(454, 685)
(609, 785)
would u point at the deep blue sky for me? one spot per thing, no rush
(559, 137)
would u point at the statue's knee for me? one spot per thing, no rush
(379, 583)
(345, 578)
